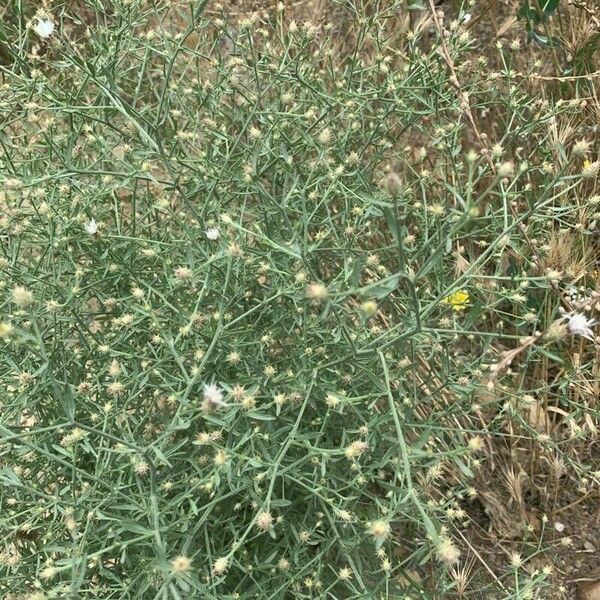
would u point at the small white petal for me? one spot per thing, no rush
(579, 324)
(44, 28)
(91, 227)
(212, 233)
(213, 394)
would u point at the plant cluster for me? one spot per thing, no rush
(272, 298)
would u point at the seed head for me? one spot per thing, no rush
(180, 564)
(6, 330)
(506, 169)
(332, 400)
(22, 297)
(476, 444)
(356, 449)
(264, 520)
(48, 572)
(317, 292)
(581, 147)
(380, 530)
(590, 169)
(220, 565)
(369, 307)
(515, 560)
(325, 137)
(141, 467)
(283, 564)
(183, 273)
(447, 552)
(393, 184)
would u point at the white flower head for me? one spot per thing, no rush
(579, 324)
(44, 28)
(212, 233)
(213, 395)
(91, 227)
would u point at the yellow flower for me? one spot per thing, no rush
(590, 169)
(457, 300)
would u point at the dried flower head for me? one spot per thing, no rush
(581, 147)
(590, 169)
(369, 307)
(181, 564)
(392, 184)
(22, 297)
(48, 572)
(6, 330)
(220, 565)
(506, 169)
(380, 530)
(447, 552)
(324, 137)
(317, 292)
(264, 520)
(356, 449)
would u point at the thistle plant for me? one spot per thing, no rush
(278, 296)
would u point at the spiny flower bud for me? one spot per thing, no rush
(264, 520)
(392, 184)
(324, 137)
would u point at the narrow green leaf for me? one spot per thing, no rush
(548, 6)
